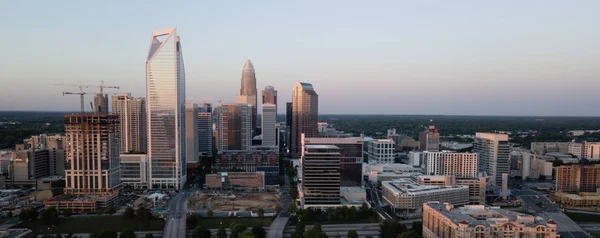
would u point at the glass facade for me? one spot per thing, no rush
(305, 110)
(165, 95)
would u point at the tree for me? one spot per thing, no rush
(417, 226)
(209, 213)
(391, 229)
(111, 210)
(129, 213)
(261, 212)
(57, 191)
(278, 208)
(10, 214)
(408, 234)
(50, 216)
(300, 228)
(29, 214)
(192, 220)
(259, 232)
(67, 212)
(294, 193)
(246, 234)
(149, 235)
(127, 233)
(221, 233)
(352, 234)
(143, 214)
(108, 234)
(201, 232)
(292, 208)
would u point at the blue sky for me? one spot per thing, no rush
(386, 57)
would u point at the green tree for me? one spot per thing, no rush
(261, 212)
(129, 213)
(259, 232)
(246, 234)
(143, 214)
(391, 229)
(127, 233)
(352, 234)
(192, 220)
(221, 233)
(278, 208)
(209, 213)
(50, 216)
(111, 210)
(300, 228)
(408, 234)
(201, 232)
(292, 208)
(417, 226)
(67, 212)
(29, 214)
(109, 234)
(9, 214)
(294, 193)
(57, 191)
(149, 235)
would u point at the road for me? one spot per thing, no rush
(332, 230)
(278, 225)
(175, 226)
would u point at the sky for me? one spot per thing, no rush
(535, 57)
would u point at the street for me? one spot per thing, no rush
(175, 225)
(278, 225)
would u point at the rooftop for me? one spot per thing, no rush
(405, 185)
(321, 147)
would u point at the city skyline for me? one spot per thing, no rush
(396, 52)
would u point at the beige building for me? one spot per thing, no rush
(576, 178)
(479, 221)
(236, 181)
(493, 155)
(450, 163)
(381, 151)
(132, 115)
(476, 185)
(26, 166)
(585, 201)
(305, 113)
(429, 139)
(134, 170)
(234, 126)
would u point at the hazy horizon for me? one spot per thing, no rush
(508, 58)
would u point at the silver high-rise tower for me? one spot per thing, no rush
(165, 97)
(248, 90)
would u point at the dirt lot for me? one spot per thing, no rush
(227, 201)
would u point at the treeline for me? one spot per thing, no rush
(27, 124)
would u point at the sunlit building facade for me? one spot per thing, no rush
(248, 90)
(305, 113)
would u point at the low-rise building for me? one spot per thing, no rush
(381, 151)
(579, 201)
(236, 181)
(479, 221)
(134, 170)
(476, 185)
(265, 159)
(387, 172)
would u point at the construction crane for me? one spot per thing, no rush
(80, 96)
(81, 93)
(101, 86)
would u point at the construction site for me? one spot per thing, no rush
(232, 201)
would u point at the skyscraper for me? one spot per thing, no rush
(191, 132)
(248, 90)
(234, 126)
(320, 176)
(305, 109)
(269, 95)
(269, 119)
(430, 139)
(92, 163)
(288, 123)
(493, 152)
(165, 93)
(101, 103)
(132, 115)
(205, 129)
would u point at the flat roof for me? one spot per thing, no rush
(404, 185)
(483, 215)
(321, 147)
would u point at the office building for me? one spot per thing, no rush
(205, 130)
(56, 151)
(577, 178)
(269, 121)
(406, 197)
(93, 162)
(476, 185)
(429, 139)
(450, 163)
(100, 103)
(259, 159)
(493, 155)
(389, 172)
(269, 95)
(305, 113)
(132, 114)
(245, 181)
(351, 161)
(442, 219)
(234, 126)
(165, 94)
(288, 123)
(381, 151)
(524, 164)
(134, 170)
(27, 166)
(591, 150)
(248, 91)
(320, 176)
(191, 133)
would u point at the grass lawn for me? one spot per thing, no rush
(580, 217)
(92, 224)
(213, 223)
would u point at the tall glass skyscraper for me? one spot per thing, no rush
(248, 90)
(165, 96)
(305, 113)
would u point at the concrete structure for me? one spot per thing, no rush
(269, 96)
(479, 221)
(577, 178)
(591, 150)
(407, 197)
(234, 126)
(320, 186)
(476, 185)
(248, 91)
(526, 165)
(351, 162)
(265, 159)
(100, 103)
(389, 172)
(165, 94)
(191, 133)
(450, 163)
(269, 121)
(429, 139)
(236, 181)
(93, 162)
(493, 152)
(381, 151)
(402, 142)
(56, 148)
(305, 113)
(134, 170)
(26, 166)
(205, 130)
(583, 201)
(132, 115)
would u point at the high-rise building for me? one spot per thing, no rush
(93, 162)
(191, 133)
(305, 113)
(132, 114)
(56, 148)
(269, 121)
(381, 151)
(351, 160)
(577, 178)
(101, 103)
(430, 139)
(165, 94)
(450, 163)
(269, 95)
(234, 126)
(288, 123)
(493, 155)
(205, 130)
(248, 90)
(320, 176)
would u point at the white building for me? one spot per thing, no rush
(381, 151)
(493, 155)
(476, 185)
(134, 170)
(389, 172)
(526, 165)
(450, 163)
(269, 119)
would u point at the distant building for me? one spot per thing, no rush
(351, 150)
(269, 121)
(583, 201)
(493, 152)
(134, 170)
(389, 172)
(577, 178)
(236, 181)
(205, 130)
(305, 113)
(430, 139)
(191, 133)
(288, 123)
(132, 115)
(381, 151)
(56, 148)
(402, 142)
(320, 176)
(101, 103)
(406, 197)
(265, 159)
(526, 165)
(248, 92)
(269, 96)
(450, 163)
(234, 126)
(476, 185)
(443, 220)
(26, 166)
